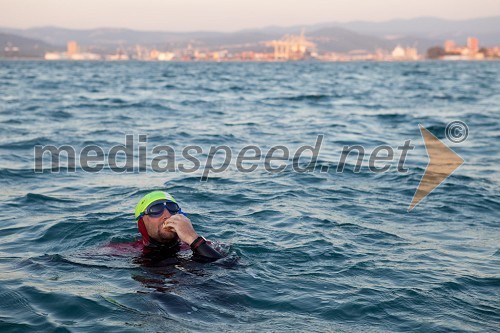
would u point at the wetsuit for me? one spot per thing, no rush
(202, 252)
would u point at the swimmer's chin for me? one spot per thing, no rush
(167, 236)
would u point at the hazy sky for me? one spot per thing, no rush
(226, 15)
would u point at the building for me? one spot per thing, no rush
(407, 53)
(72, 53)
(468, 52)
(72, 48)
(449, 46)
(165, 56)
(291, 47)
(398, 52)
(55, 56)
(85, 56)
(472, 45)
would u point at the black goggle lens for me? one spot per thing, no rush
(157, 210)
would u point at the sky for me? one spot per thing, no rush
(226, 15)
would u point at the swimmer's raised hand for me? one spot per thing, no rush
(181, 225)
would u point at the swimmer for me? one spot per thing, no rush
(164, 227)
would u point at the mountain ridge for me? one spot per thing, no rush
(422, 32)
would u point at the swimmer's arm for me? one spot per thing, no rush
(186, 233)
(203, 251)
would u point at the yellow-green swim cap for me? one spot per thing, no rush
(149, 199)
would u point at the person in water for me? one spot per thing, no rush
(165, 228)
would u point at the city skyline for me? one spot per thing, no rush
(226, 15)
(288, 48)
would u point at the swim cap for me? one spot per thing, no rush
(149, 199)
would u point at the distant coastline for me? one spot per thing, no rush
(396, 40)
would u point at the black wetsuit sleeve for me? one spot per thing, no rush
(205, 252)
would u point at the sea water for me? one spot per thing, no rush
(308, 248)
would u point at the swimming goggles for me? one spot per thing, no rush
(157, 209)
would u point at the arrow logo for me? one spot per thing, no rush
(442, 163)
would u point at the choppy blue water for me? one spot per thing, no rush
(314, 251)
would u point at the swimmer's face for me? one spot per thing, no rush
(154, 227)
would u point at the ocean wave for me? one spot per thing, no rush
(306, 97)
(27, 143)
